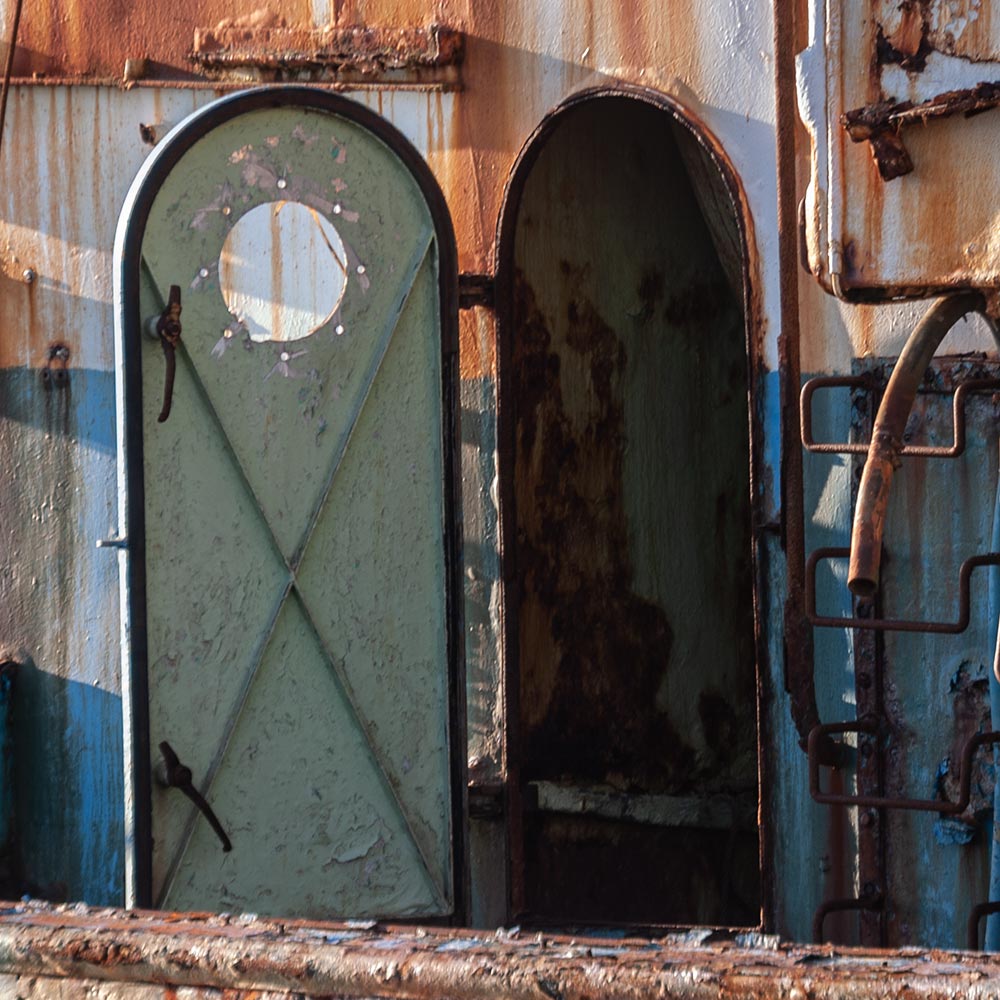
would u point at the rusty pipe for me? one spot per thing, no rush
(887, 437)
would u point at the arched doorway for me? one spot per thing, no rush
(626, 504)
(291, 589)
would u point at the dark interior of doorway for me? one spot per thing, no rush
(632, 620)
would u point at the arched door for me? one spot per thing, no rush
(626, 503)
(290, 611)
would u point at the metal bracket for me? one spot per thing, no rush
(880, 123)
(112, 543)
(894, 624)
(867, 382)
(871, 899)
(872, 728)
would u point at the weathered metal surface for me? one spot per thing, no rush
(224, 953)
(8, 859)
(49, 988)
(8, 68)
(306, 452)
(632, 559)
(934, 692)
(875, 70)
(521, 60)
(922, 756)
(59, 612)
(395, 56)
(799, 664)
(868, 651)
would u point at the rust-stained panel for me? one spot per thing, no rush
(899, 211)
(81, 39)
(916, 28)
(429, 56)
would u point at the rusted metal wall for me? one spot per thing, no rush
(897, 99)
(75, 137)
(899, 202)
(931, 691)
(77, 132)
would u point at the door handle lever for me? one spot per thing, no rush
(179, 776)
(168, 327)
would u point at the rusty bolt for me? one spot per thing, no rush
(866, 818)
(28, 276)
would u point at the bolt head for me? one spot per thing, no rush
(28, 276)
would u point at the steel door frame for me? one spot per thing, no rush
(131, 540)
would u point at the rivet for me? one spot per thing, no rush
(203, 273)
(339, 330)
(282, 183)
(28, 276)
(337, 209)
(284, 355)
(361, 268)
(226, 210)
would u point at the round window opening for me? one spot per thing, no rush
(283, 271)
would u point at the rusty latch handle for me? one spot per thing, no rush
(168, 327)
(179, 776)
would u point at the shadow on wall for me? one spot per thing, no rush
(57, 619)
(77, 403)
(67, 748)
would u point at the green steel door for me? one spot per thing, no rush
(295, 527)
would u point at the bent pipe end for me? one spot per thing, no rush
(869, 516)
(887, 439)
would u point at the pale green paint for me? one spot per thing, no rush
(300, 670)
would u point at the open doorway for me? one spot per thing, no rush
(626, 501)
